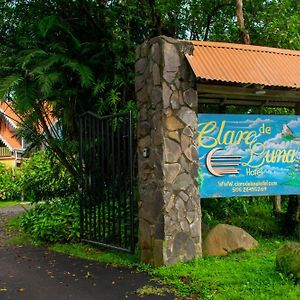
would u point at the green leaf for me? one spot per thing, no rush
(50, 23)
(84, 72)
(8, 84)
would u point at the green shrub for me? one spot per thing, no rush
(56, 220)
(260, 221)
(224, 208)
(10, 189)
(288, 259)
(44, 178)
(253, 214)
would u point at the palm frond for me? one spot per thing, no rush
(8, 84)
(47, 81)
(26, 57)
(99, 87)
(50, 23)
(84, 72)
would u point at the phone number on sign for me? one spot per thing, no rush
(247, 189)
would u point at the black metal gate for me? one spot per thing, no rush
(107, 202)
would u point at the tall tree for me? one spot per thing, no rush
(244, 35)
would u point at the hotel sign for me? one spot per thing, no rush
(248, 155)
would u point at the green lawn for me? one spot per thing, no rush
(245, 275)
(8, 203)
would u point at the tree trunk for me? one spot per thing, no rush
(292, 217)
(277, 205)
(244, 35)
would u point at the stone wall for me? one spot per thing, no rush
(169, 205)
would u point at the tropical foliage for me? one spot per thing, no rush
(43, 178)
(10, 189)
(79, 55)
(62, 58)
(56, 220)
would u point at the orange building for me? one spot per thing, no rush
(11, 146)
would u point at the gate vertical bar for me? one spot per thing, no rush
(81, 175)
(130, 159)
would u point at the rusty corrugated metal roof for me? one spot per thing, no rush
(245, 64)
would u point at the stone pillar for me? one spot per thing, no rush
(169, 205)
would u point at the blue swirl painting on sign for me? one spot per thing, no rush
(248, 155)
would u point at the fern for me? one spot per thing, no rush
(84, 72)
(50, 62)
(114, 98)
(28, 56)
(27, 93)
(99, 87)
(8, 84)
(50, 23)
(47, 81)
(47, 24)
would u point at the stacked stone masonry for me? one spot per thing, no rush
(169, 206)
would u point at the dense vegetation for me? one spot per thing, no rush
(79, 55)
(44, 182)
(56, 220)
(10, 189)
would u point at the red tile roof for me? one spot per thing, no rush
(245, 64)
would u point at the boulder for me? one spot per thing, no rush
(224, 239)
(205, 228)
(288, 259)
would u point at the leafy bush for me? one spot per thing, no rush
(44, 178)
(288, 259)
(10, 189)
(224, 208)
(260, 221)
(56, 220)
(254, 214)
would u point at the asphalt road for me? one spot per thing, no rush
(31, 273)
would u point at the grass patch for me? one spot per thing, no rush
(92, 253)
(152, 290)
(8, 203)
(77, 249)
(13, 223)
(246, 275)
(21, 238)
